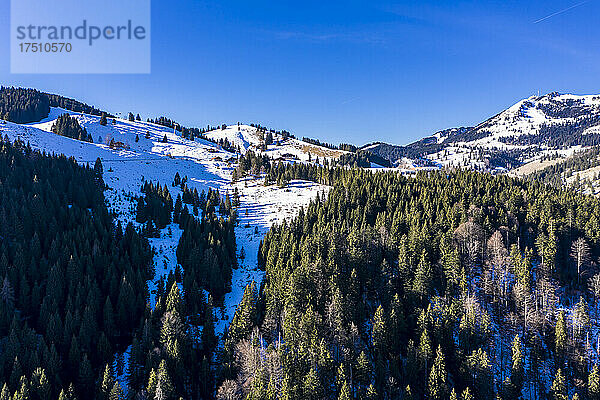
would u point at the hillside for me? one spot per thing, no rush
(533, 128)
(436, 286)
(132, 152)
(139, 152)
(274, 144)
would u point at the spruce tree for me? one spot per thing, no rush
(106, 383)
(98, 169)
(560, 336)
(466, 394)
(86, 374)
(116, 393)
(363, 369)
(371, 393)
(593, 385)
(423, 277)
(151, 385)
(174, 301)
(39, 384)
(164, 385)
(379, 334)
(437, 384)
(453, 395)
(424, 351)
(5, 394)
(558, 390)
(312, 387)
(345, 393)
(517, 372)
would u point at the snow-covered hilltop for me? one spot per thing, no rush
(534, 128)
(275, 144)
(533, 116)
(553, 126)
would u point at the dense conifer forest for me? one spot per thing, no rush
(73, 283)
(172, 354)
(74, 294)
(154, 208)
(322, 171)
(73, 105)
(448, 284)
(207, 248)
(186, 132)
(558, 173)
(23, 105)
(362, 158)
(444, 286)
(68, 126)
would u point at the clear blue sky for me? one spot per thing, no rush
(345, 71)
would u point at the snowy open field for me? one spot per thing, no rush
(261, 207)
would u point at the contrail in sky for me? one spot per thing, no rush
(561, 11)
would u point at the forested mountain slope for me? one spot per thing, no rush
(171, 190)
(438, 286)
(579, 172)
(73, 282)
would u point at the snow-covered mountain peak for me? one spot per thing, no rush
(535, 127)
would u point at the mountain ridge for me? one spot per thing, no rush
(531, 128)
(537, 127)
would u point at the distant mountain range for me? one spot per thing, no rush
(532, 128)
(549, 127)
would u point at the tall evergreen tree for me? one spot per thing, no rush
(517, 372)
(559, 389)
(593, 385)
(437, 387)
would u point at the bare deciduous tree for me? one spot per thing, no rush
(6, 292)
(470, 238)
(594, 285)
(229, 390)
(581, 318)
(255, 361)
(496, 282)
(546, 300)
(580, 252)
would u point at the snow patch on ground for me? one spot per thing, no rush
(120, 368)
(260, 207)
(165, 259)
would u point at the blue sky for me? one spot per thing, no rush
(345, 71)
